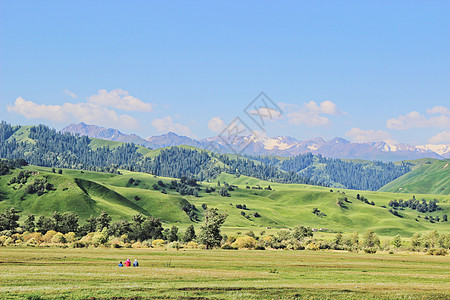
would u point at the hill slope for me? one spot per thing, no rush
(429, 178)
(283, 206)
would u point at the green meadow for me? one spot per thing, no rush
(427, 178)
(55, 273)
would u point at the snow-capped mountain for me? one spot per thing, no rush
(443, 150)
(280, 146)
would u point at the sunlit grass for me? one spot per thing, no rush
(81, 273)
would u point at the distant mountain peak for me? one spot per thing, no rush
(337, 147)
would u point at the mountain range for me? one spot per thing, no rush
(278, 146)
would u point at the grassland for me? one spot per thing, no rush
(428, 178)
(54, 273)
(285, 206)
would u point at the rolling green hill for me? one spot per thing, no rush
(431, 177)
(284, 206)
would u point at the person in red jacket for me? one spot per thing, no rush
(128, 263)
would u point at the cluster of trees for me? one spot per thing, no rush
(364, 199)
(140, 228)
(421, 206)
(186, 186)
(190, 210)
(318, 213)
(6, 165)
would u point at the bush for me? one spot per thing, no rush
(47, 238)
(136, 245)
(58, 238)
(100, 237)
(228, 247)
(174, 245)
(32, 242)
(37, 236)
(70, 237)
(370, 250)
(312, 246)
(442, 252)
(245, 242)
(192, 245)
(115, 245)
(158, 243)
(78, 244)
(260, 248)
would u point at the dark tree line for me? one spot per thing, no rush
(351, 175)
(248, 167)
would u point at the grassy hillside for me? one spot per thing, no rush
(431, 177)
(285, 206)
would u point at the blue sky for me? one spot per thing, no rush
(362, 70)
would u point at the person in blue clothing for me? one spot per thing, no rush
(135, 263)
(120, 264)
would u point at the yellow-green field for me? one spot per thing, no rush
(55, 273)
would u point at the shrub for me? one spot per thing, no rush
(312, 246)
(58, 238)
(47, 238)
(370, 250)
(115, 245)
(442, 252)
(260, 248)
(37, 236)
(136, 245)
(32, 242)
(158, 243)
(228, 247)
(70, 237)
(174, 245)
(192, 244)
(78, 244)
(100, 237)
(245, 242)
(3, 239)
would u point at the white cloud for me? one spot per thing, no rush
(266, 113)
(415, 120)
(326, 107)
(358, 135)
(311, 113)
(31, 110)
(120, 99)
(167, 124)
(216, 124)
(440, 138)
(69, 112)
(71, 94)
(439, 110)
